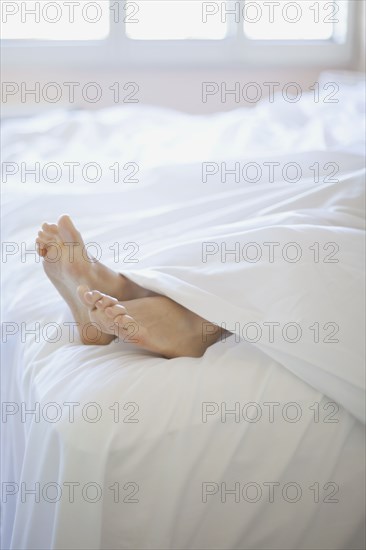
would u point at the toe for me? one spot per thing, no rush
(94, 299)
(125, 326)
(106, 301)
(42, 236)
(124, 321)
(47, 238)
(50, 228)
(120, 320)
(83, 292)
(115, 311)
(107, 326)
(67, 230)
(93, 296)
(41, 250)
(129, 329)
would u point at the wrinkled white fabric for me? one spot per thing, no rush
(170, 453)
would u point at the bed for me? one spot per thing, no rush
(259, 444)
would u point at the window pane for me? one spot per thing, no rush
(301, 20)
(173, 20)
(56, 20)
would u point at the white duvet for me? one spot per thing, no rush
(259, 444)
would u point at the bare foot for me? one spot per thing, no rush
(68, 266)
(95, 303)
(155, 323)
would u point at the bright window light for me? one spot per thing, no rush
(173, 20)
(55, 20)
(301, 20)
(86, 20)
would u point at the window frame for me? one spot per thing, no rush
(236, 50)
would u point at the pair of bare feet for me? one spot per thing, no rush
(106, 305)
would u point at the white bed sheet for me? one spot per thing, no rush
(170, 452)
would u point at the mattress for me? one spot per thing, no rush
(259, 443)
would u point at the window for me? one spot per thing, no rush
(173, 32)
(284, 20)
(176, 20)
(56, 20)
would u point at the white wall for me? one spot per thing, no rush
(179, 89)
